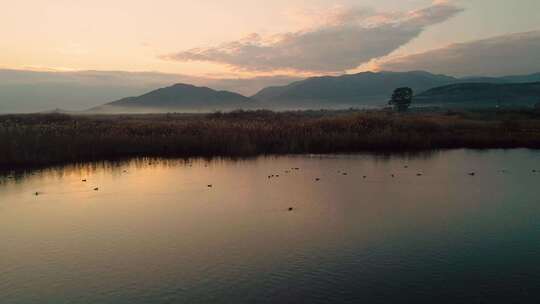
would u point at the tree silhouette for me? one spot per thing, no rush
(401, 99)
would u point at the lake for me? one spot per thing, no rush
(220, 231)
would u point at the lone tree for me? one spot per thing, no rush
(401, 99)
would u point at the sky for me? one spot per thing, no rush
(244, 38)
(244, 45)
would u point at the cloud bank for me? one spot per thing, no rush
(344, 40)
(517, 53)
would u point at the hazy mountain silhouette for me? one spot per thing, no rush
(367, 88)
(357, 90)
(24, 91)
(482, 94)
(504, 79)
(374, 89)
(179, 97)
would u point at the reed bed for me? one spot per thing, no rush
(42, 139)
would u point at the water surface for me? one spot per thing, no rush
(155, 232)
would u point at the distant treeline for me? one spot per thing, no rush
(41, 139)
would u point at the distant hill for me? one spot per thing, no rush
(505, 79)
(367, 88)
(482, 94)
(57, 111)
(24, 91)
(179, 97)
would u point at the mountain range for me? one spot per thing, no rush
(179, 97)
(367, 89)
(483, 94)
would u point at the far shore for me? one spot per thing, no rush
(46, 139)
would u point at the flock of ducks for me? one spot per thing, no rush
(317, 179)
(419, 174)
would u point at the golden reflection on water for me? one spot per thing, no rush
(155, 224)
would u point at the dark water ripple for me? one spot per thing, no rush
(157, 234)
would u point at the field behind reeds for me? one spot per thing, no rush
(41, 139)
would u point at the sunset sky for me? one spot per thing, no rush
(77, 54)
(245, 38)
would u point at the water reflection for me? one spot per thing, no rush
(115, 166)
(156, 233)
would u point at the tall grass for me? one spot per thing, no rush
(27, 140)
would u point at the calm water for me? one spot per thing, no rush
(155, 232)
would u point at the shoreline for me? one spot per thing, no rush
(8, 170)
(7, 173)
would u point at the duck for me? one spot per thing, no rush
(96, 189)
(291, 208)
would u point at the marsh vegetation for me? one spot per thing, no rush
(41, 139)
